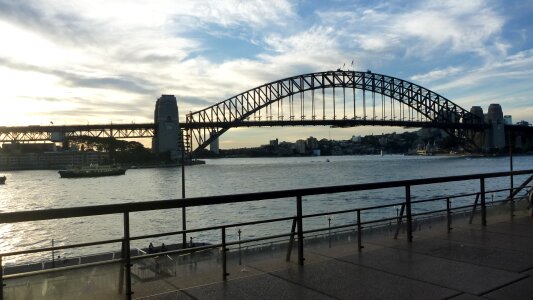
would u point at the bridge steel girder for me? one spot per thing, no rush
(44, 133)
(220, 117)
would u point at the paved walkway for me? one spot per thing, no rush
(472, 262)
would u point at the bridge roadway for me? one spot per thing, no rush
(147, 130)
(471, 262)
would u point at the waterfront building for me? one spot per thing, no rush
(312, 143)
(508, 120)
(51, 160)
(274, 143)
(300, 146)
(356, 138)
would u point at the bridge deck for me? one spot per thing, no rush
(472, 262)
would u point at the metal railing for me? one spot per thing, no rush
(297, 231)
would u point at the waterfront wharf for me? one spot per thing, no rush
(470, 262)
(470, 249)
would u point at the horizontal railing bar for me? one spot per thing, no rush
(270, 237)
(178, 251)
(208, 247)
(337, 212)
(59, 269)
(141, 237)
(30, 251)
(60, 213)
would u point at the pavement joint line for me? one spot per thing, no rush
(463, 261)
(303, 286)
(187, 294)
(525, 270)
(456, 295)
(269, 273)
(396, 274)
(525, 276)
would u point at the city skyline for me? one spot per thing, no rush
(100, 62)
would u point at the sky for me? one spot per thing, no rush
(102, 61)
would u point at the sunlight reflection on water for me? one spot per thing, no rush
(30, 190)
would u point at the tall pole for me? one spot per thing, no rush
(511, 175)
(183, 213)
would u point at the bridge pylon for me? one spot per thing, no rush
(167, 128)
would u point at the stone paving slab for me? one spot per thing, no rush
(348, 281)
(471, 262)
(521, 229)
(519, 290)
(504, 259)
(263, 286)
(464, 277)
(492, 239)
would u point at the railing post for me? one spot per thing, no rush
(240, 254)
(1, 279)
(291, 240)
(299, 221)
(183, 214)
(449, 214)
(511, 191)
(53, 255)
(127, 253)
(483, 206)
(184, 227)
(400, 217)
(359, 243)
(474, 209)
(408, 213)
(224, 257)
(329, 231)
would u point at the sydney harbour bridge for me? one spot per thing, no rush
(332, 98)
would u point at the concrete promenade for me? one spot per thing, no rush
(471, 262)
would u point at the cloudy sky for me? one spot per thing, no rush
(101, 61)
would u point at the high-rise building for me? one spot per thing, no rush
(300, 146)
(497, 133)
(508, 120)
(167, 131)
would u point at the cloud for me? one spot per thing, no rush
(207, 51)
(420, 29)
(38, 17)
(121, 82)
(436, 74)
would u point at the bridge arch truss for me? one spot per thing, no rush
(332, 96)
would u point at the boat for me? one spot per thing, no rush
(2, 179)
(92, 171)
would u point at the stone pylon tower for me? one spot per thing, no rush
(496, 132)
(167, 127)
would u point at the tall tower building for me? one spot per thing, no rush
(167, 131)
(496, 132)
(478, 137)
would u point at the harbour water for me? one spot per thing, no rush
(32, 190)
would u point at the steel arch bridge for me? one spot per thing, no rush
(335, 98)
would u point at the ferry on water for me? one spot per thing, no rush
(92, 171)
(2, 179)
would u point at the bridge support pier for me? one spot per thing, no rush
(167, 131)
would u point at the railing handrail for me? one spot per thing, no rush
(84, 211)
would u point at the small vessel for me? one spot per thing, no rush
(2, 179)
(92, 171)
